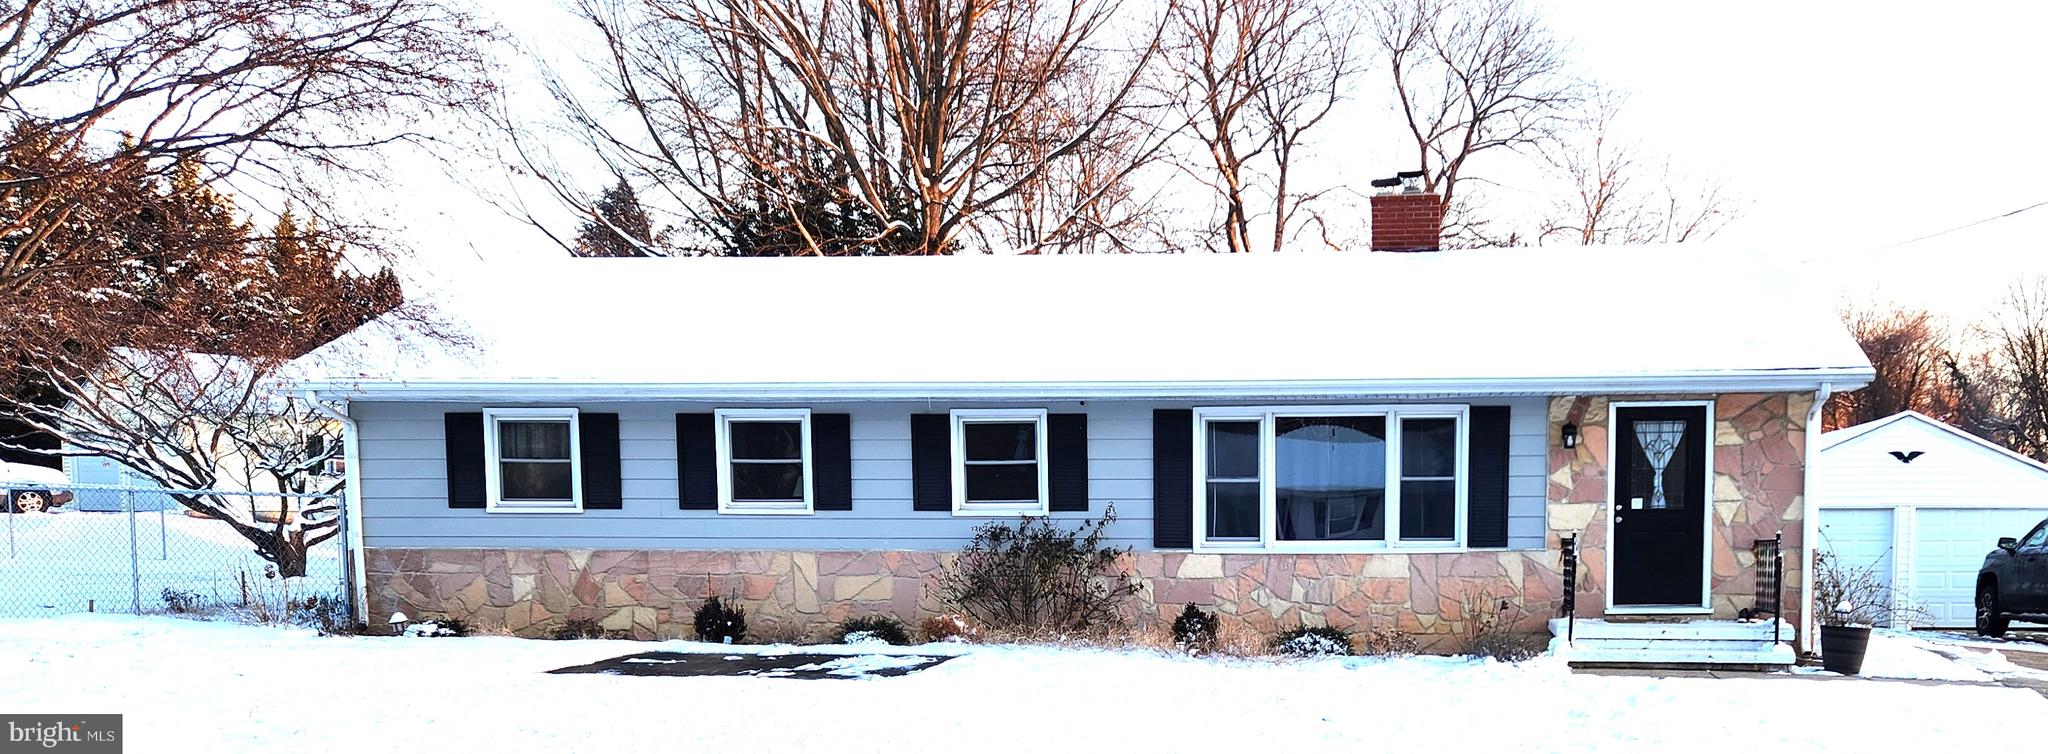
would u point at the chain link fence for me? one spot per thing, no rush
(128, 549)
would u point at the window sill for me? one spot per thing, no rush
(998, 512)
(531, 509)
(744, 511)
(1434, 549)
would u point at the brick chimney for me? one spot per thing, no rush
(1404, 217)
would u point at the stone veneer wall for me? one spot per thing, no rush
(1758, 478)
(652, 593)
(1759, 481)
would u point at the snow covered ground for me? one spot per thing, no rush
(55, 563)
(189, 686)
(1907, 655)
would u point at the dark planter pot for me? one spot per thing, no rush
(1841, 648)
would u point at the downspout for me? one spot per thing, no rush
(1809, 512)
(351, 507)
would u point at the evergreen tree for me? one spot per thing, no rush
(618, 226)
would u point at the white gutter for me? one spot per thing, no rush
(351, 507)
(1809, 536)
(1765, 380)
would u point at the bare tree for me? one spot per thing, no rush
(1254, 77)
(1909, 349)
(861, 126)
(2017, 334)
(1613, 195)
(1471, 77)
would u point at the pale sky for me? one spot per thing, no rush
(1848, 129)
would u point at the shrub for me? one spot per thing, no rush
(1493, 635)
(1312, 641)
(1385, 640)
(873, 628)
(949, 627)
(578, 628)
(717, 622)
(182, 601)
(437, 627)
(1848, 594)
(1194, 630)
(777, 633)
(327, 613)
(1036, 575)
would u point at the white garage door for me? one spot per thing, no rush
(1949, 545)
(1859, 538)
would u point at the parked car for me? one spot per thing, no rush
(2013, 582)
(33, 489)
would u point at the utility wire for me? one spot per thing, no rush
(2035, 205)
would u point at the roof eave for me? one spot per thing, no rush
(1772, 381)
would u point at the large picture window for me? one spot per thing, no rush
(763, 460)
(999, 462)
(533, 463)
(1328, 479)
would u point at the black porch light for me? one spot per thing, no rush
(1569, 435)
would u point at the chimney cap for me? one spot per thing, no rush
(1407, 174)
(1385, 182)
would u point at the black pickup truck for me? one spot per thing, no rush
(2013, 582)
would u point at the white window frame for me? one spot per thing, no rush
(726, 417)
(493, 468)
(1269, 540)
(964, 417)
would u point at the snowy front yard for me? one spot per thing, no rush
(191, 686)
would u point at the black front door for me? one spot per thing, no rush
(1660, 504)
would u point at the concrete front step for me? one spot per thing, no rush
(1709, 630)
(1646, 645)
(1682, 643)
(1776, 656)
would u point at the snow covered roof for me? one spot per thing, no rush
(1533, 320)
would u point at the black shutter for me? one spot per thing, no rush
(931, 462)
(696, 463)
(832, 461)
(1066, 441)
(1486, 488)
(598, 445)
(464, 435)
(1173, 500)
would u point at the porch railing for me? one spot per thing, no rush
(1770, 581)
(1568, 547)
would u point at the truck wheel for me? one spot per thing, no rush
(29, 501)
(1989, 621)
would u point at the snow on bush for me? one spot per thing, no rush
(1320, 641)
(1194, 631)
(437, 627)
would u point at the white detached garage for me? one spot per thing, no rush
(1922, 502)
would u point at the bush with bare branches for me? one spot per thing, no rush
(1038, 576)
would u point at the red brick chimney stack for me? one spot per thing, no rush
(1404, 216)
